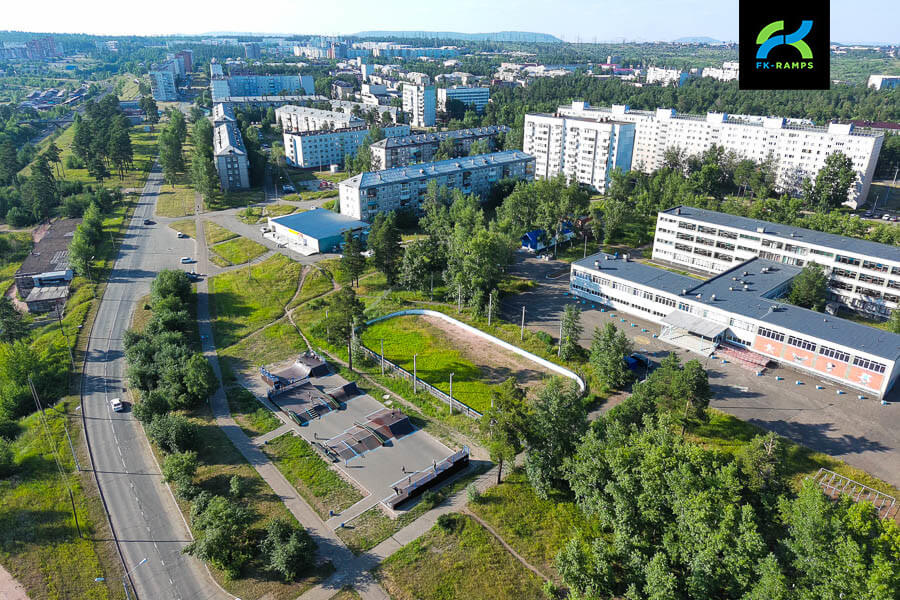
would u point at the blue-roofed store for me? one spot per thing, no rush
(314, 231)
(738, 313)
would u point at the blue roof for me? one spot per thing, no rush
(319, 223)
(763, 277)
(830, 240)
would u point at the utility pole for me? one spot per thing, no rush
(490, 306)
(585, 245)
(458, 298)
(382, 357)
(414, 373)
(451, 393)
(522, 336)
(559, 349)
(63, 332)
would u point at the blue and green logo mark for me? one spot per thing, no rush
(768, 40)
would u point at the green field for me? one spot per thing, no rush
(235, 199)
(464, 562)
(143, 145)
(537, 529)
(188, 227)
(16, 246)
(238, 251)
(259, 214)
(321, 487)
(215, 233)
(270, 344)
(241, 305)
(405, 336)
(39, 541)
(315, 284)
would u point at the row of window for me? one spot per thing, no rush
(801, 343)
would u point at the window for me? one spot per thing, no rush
(847, 260)
(821, 253)
(771, 334)
(867, 264)
(833, 353)
(801, 343)
(665, 301)
(744, 236)
(843, 273)
(727, 234)
(869, 279)
(868, 365)
(684, 306)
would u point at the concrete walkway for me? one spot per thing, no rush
(10, 589)
(278, 432)
(330, 546)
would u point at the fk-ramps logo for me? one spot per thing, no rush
(784, 47)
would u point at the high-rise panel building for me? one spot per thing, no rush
(187, 60)
(798, 149)
(473, 97)
(230, 156)
(411, 149)
(162, 85)
(584, 150)
(420, 103)
(325, 147)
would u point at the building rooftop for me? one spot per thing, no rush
(836, 242)
(48, 292)
(319, 223)
(432, 169)
(430, 138)
(52, 252)
(763, 279)
(223, 112)
(227, 139)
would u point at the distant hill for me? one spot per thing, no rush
(497, 36)
(697, 40)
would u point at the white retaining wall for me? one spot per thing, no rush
(479, 333)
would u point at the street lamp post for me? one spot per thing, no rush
(451, 393)
(127, 573)
(414, 373)
(382, 357)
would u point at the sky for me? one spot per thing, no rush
(863, 21)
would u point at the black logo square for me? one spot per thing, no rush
(785, 45)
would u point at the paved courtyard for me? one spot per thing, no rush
(863, 433)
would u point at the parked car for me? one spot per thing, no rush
(117, 405)
(288, 188)
(186, 260)
(885, 217)
(148, 222)
(181, 235)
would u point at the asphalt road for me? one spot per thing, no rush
(145, 517)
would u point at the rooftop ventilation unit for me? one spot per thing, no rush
(698, 296)
(596, 264)
(678, 211)
(746, 287)
(730, 289)
(683, 292)
(760, 230)
(712, 298)
(745, 273)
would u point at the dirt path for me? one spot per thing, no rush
(10, 589)
(509, 548)
(497, 364)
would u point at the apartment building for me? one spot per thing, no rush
(583, 149)
(411, 149)
(419, 102)
(187, 60)
(323, 148)
(296, 119)
(230, 156)
(883, 82)
(737, 315)
(261, 85)
(728, 72)
(863, 275)
(473, 97)
(403, 188)
(348, 106)
(798, 149)
(223, 113)
(162, 85)
(665, 77)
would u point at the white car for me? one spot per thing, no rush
(116, 405)
(180, 235)
(186, 260)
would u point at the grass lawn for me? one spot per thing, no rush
(254, 418)
(315, 284)
(216, 233)
(39, 542)
(188, 227)
(239, 251)
(462, 562)
(332, 177)
(258, 214)
(236, 199)
(312, 195)
(129, 89)
(241, 306)
(406, 336)
(178, 200)
(266, 346)
(537, 529)
(144, 148)
(373, 527)
(321, 487)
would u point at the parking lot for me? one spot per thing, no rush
(863, 433)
